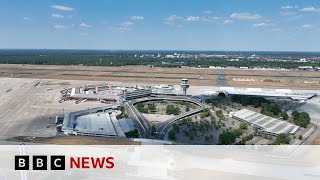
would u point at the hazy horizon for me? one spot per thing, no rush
(159, 50)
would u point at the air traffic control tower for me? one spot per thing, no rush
(185, 85)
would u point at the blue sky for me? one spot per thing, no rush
(281, 25)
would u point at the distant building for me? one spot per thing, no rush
(244, 67)
(170, 56)
(134, 94)
(278, 93)
(305, 68)
(303, 60)
(185, 85)
(215, 67)
(162, 89)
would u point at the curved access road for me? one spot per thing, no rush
(144, 125)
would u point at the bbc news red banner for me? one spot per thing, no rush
(159, 162)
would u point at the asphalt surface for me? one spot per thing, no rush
(140, 122)
(221, 78)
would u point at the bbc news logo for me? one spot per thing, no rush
(59, 162)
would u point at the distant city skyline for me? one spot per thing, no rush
(231, 25)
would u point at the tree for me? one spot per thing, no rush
(237, 132)
(152, 107)
(227, 138)
(282, 139)
(270, 109)
(247, 100)
(284, 115)
(171, 109)
(140, 105)
(206, 113)
(132, 134)
(141, 108)
(175, 128)
(295, 113)
(172, 135)
(220, 115)
(300, 137)
(301, 119)
(243, 125)
(187, 109)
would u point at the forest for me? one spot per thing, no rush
(124, 58)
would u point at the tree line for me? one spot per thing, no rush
(121, 58)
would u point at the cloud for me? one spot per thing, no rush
(58, 16)
(173, 18)
(289, 7)
(62, 8)
(85, 25)
(209, 18)
(27, 18)
(137, 18)
(310, 9)
(207, 12)
(127, 24)
(193, 18)
(308, 26)
(262, 25)
(245, 16)
(227, 21)
(122, 27)
(60, 27)
(289, 10)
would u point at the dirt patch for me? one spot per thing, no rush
(317, 141)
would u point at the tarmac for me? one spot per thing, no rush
(28, 107)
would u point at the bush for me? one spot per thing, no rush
(171, 109)
(301, 119)
(247, 100)
(172, 135)
(206, 113)
(141, 108)
(284, 115)
(237, 132)
(282, 139)
(243, 125)
(220, 115)
(132, 134)
(152, 107)
(227, 138)
(270, 109)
